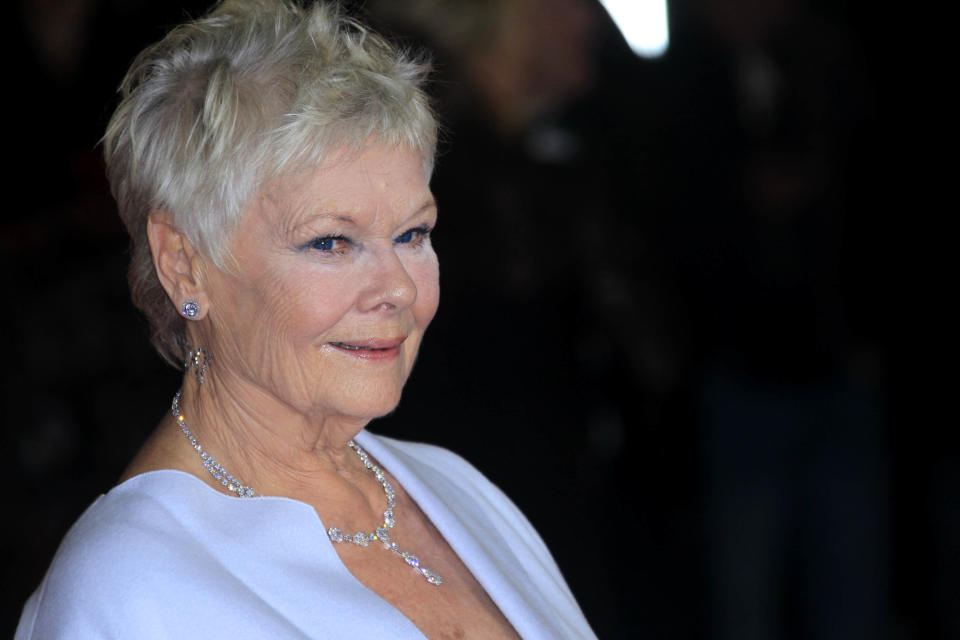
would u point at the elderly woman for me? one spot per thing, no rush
(271, 164)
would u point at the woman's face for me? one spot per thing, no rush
(334, 285)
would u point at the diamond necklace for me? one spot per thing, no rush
(381, 533)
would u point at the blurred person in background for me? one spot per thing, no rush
(760, 146)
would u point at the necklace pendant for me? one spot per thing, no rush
(431, 577)
(337, 536)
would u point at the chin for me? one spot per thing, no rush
(386, 407)
(369, 406)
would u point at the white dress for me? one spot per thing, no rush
(163, 555)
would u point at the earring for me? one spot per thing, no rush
(190, 309)
(198, 359)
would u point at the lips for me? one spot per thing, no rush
(372, 349)
(356, 347)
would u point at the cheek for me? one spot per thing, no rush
(279, 309)
(309, 308)
(246, 320)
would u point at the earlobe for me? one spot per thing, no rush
(174, 259)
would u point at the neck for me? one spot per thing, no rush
(272, 446)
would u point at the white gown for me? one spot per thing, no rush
(163, 555)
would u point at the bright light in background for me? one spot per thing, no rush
(643, 23)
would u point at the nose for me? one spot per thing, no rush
(390, 285)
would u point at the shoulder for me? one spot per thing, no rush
(129, 527)
(103, 577)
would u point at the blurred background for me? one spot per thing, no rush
(667, 327)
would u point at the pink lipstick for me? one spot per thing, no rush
(372, 349)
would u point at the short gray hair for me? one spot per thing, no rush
(225, 103)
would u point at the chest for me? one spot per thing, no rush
(457, 608)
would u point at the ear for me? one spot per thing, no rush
(179, 266)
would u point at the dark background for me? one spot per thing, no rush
(669, 328)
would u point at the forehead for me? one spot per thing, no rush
(372, 182)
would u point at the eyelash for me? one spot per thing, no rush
(325, 244)
(422, 233)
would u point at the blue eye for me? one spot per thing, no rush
(329, 243)
(413, 235)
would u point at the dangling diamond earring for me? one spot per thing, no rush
(198, 359)
(190, 309)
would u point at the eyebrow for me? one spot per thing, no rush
(339, 217)
(301, 219)
(427, 204)
(346, 218)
